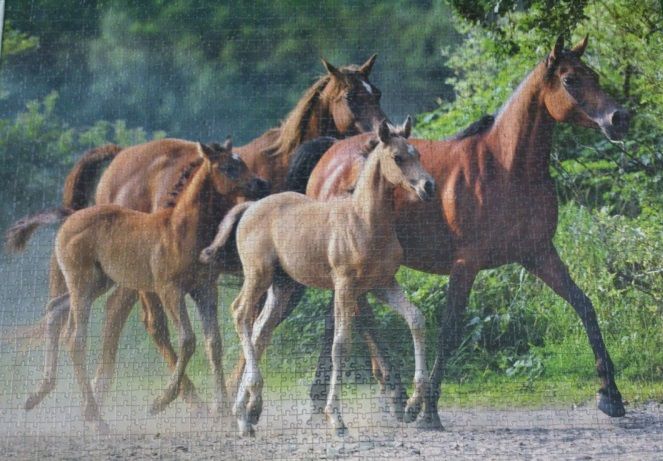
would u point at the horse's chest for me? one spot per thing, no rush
(368, 260)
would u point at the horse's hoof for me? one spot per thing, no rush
(429, 422)
(157, 407)
(245, 429)
(393, 405)
(206, 255)
(316, 420)
(341, 431)
(32, 402)
(100, 427)
(254, 409)
(412, 410)
(611, 405)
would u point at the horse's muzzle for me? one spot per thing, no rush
(427, 191)
(618, 125)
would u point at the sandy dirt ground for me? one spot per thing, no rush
(54, 430)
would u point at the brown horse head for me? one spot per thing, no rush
(574, 95)
(400, 161)
(352, 100)
(229, 174)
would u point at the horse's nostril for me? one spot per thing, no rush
(429, 187)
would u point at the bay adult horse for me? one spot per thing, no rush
(348, 244)
(341, 103)
(496, 204)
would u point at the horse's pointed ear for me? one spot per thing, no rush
(228, 144)
(205, 151)
(333, 71)
(366, 67)
(384, 131)
(579, 49)
(406, 129)
(556, 52)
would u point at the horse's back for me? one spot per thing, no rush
(140, 177)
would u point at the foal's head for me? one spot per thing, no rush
(229, 174)
(400, 162)
(574, 95)
(354, 102)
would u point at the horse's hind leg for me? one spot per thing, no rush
(395, 297)
(173, 300)
(320, 386)
(249, 393)
(92, 285)
(206, 297)
(118, 306)
(156, 325)
(56, 316)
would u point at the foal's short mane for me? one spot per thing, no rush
(293, 128)
(182, 182)
(368, 146)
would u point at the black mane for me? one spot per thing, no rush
(304, 159)
(478, 127)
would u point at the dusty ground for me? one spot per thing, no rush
(55, 431)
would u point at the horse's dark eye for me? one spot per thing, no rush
(231, 170)
(569, 80)
(398, 159)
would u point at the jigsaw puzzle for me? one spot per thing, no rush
(332, 230)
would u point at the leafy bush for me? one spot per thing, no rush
(37, 149)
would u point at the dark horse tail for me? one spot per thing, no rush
(78, 190)
(81, 180)
(304, 159)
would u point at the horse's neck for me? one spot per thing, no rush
(321, 122)
(521, 137)
(193, 208)
(373, 197)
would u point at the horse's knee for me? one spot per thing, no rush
(188, 344)
(418, 321)
(342, 343)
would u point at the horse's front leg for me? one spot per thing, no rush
(282, 298)
(450, 331)
(394, 296)
(383, 371)
(345, 303)
(206, 296)
(172, 298)
(388, 377)
(551, 270)
(156, 325)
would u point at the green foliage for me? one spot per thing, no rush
(37, 149)
(15, 42)
(210, 68)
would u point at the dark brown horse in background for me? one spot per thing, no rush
(496, 204)
(341, 103)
